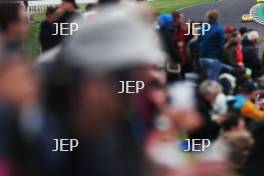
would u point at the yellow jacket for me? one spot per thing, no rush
(250, 110)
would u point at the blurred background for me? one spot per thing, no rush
(125, 88)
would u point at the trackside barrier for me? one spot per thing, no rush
(37, 9)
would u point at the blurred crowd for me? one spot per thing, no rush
(204, 85)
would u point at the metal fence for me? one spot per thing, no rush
(37, 9)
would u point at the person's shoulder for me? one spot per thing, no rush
(220, 28)
(217, 27)
(44, 23)
(68, 16)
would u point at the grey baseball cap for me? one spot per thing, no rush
(117, 37)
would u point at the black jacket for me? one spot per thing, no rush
(67, 17)
(252, 60)
(209, 129)
(47, 40)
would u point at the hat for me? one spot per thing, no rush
(72, 2)
(117, 37)
(229, 29)
(166, 20)
(253, 35)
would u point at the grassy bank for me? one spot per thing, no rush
(166, 6)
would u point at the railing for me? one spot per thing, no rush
(37, 9)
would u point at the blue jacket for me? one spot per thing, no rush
(211, 44)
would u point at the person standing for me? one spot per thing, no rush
(47, 40)
(210, 47)
(250, 51)
(67, 12)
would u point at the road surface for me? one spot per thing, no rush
(231, 12)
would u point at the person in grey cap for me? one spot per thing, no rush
(81, 90)
(111, 40)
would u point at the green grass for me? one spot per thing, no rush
(32, 42)
(167, 6)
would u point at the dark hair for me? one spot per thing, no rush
(176, 15)
(243, 30)
(9, 13)
(50, 10)
(107, 1)
(232, 120)
(248, 86)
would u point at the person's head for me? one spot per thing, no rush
(212, 15)
(243, 30)
(166, 21)
(229, 31)
(237, 36)
(68, 5)
(177, 17)
(253, 37)
(209, 90)
(91, 78)
(91, 98)
(228, 83)
(233, 122)
(51, 14)
(249, 89)
(13, 21)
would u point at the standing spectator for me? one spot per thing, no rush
(47, 40)
(239, 52)
(210, 47)
(251, 57)
(13, 26)
(165, 27)
(68, 11)
(233, 54)
(229, 30)
(179, 33)
(230, 52)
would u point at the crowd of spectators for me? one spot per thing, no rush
(203, 86)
